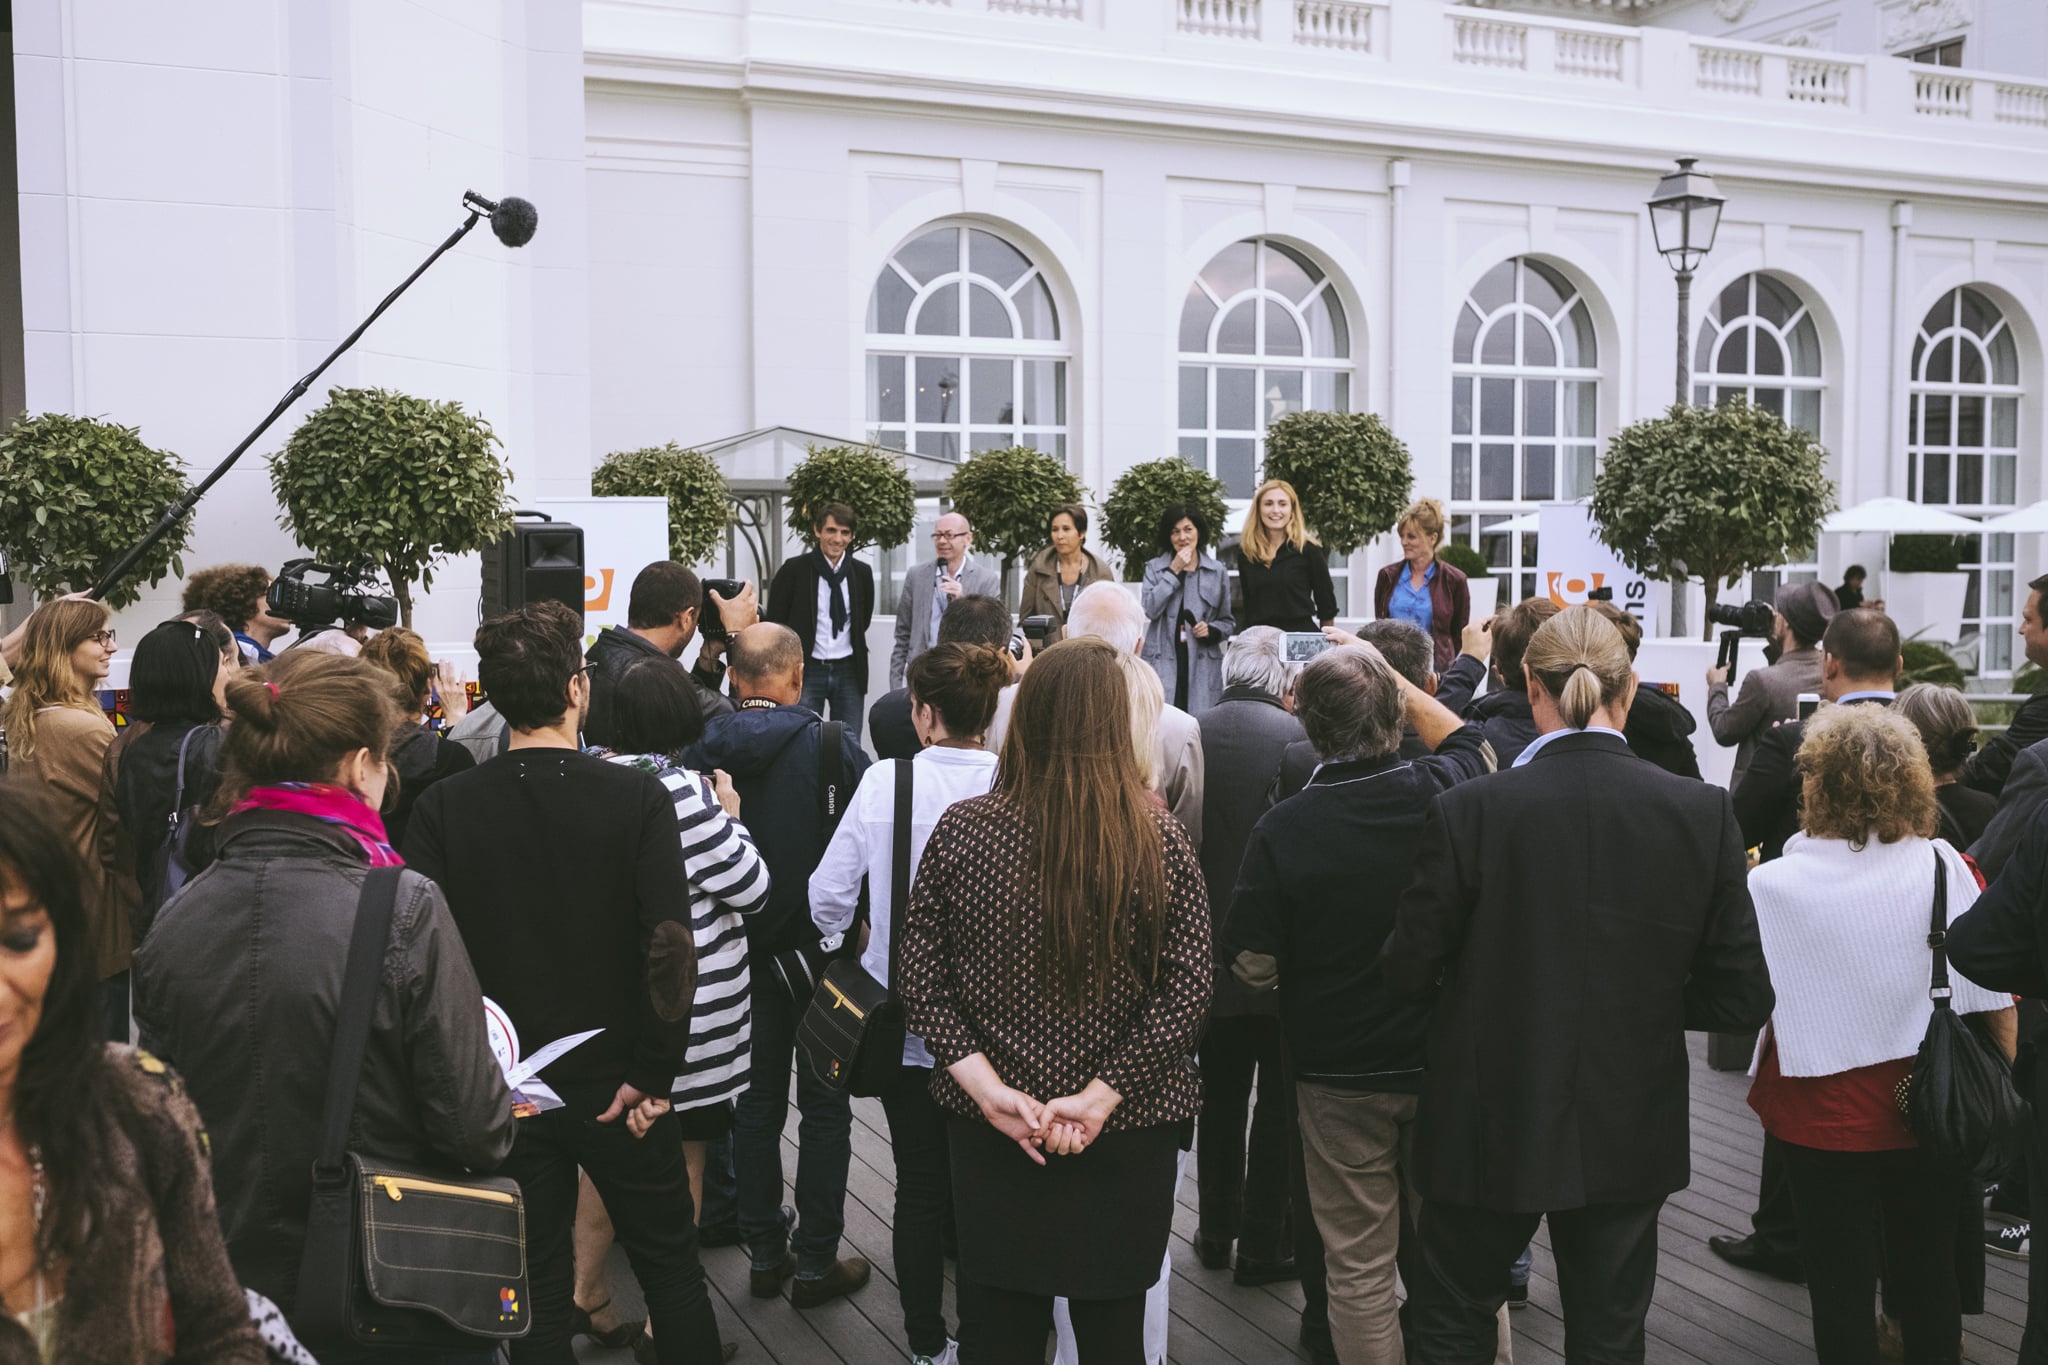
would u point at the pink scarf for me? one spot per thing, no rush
(332, 804)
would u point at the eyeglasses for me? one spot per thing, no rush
(104, 639)
(951, 535)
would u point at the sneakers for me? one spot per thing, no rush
(2009, 1242)
(847, 1275)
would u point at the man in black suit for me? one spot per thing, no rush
(973, 620)
(1572, 917)
(827, 597)
(1989, 766)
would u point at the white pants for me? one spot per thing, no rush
(1155, 1304)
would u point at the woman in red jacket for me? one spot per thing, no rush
(1422, 588)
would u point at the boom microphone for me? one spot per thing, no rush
(513, 220)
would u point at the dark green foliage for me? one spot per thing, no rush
(1464, 559)
(874, 484)
(699, 508)
(75, 493)
(1927, 662)
(1008, 495)
(1926, 554)
(401, 482)
(1141, 495)
(1352, 475)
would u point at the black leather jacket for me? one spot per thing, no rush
(237, 987)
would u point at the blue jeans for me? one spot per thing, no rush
(834, 680)
(824, 1147)
(721, 1186)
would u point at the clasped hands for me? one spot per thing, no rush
(1064, 1126)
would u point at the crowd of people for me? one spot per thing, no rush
(1401, 941)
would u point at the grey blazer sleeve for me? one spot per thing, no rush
(910, 607)
(2026, 788)
(982, 579)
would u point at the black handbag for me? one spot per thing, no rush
(1959, 1101)
(396, 1255)
(852, 1033)
(799, 970)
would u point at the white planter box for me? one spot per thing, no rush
(1485, 594)
(1927, 606)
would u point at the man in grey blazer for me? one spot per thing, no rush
(2026, 787)
(1771, 694)
(929, 588)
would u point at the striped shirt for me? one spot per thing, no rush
(728, 879)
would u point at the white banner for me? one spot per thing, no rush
(1572, 564)
(621, 536)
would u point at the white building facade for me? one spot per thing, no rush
(1115, 229)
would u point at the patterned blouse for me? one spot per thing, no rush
(974, 977)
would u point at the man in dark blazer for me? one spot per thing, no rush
(827, 597)
(973, 620)
(1988, 768)
(2025, 792)
(1571, 918)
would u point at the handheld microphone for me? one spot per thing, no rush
(513, 220)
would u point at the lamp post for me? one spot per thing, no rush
(1685, 212)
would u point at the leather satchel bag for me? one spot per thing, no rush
(398, 1255)
(852, 1034)
(1959, 1100)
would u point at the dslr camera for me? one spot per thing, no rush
(1751, 618)
(709, 625)
(343, 599)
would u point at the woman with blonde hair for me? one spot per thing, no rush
(1570, 917)
(57, 742)
(1281, 569)
(1422, 588)
(1845, 917)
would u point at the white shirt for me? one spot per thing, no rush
(1541, 740)
(827, 645)
(865, 844)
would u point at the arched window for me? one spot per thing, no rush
(1262, 334)
(1962, 448)
(1525, 408)
(964, 348)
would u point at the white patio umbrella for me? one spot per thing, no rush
(1899, 517)
(1528, 521)
(2026, 521)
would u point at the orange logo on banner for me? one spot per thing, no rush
(1571, 591)
(594, 597)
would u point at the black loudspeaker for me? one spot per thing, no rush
(534, 562)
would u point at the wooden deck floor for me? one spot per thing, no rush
(1705, 1311)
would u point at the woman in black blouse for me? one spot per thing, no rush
(1285, 578)
(1056, 960)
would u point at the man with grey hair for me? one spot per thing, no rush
(1404, 646)
(1314, 902)
(1243, 736)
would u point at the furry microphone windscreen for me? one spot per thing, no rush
(514, 221)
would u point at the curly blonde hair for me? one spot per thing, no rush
(1865, 776)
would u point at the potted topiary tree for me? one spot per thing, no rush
(1352, 474)
(75, 493)
(1925, 588)
(1711, 493)
(1008, 495)
(1140, 497)
(699, 506)
(422, 483)
(1480, 583)
(875, 485)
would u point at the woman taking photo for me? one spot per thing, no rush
(1285, 578)
(1844, 917)
(1421, 588)
(305, 773)
(57, 741)
(109, 1243)
(1187, 610)
(1056, 574)
(953, 689)
(1056, 962)
(419, 756)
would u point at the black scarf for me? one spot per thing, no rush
(838, 582)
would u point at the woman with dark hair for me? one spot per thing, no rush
(953, 690)
(1055, 575)
(1948, 727)
(1187, 608)
(419, 756)
(108, 1239)
(1056, 962)
(268, 927)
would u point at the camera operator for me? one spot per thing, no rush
(1771, 693)
(662, 617)
(238, 594)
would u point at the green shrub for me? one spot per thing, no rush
(1008, 496)
(873, 484)
(1927, 662)
(1465, 559)
(1352, 474)
(75, 493)
(699, 504)
(1140, 497)
(1926, 554)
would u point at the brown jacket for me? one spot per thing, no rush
(1042, 587)
(67, 765)
(156, 1285)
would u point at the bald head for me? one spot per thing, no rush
(767, 661)
(951, 537)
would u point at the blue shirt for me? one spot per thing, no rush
(1541, 740)
(1411, 603)
(257, 653)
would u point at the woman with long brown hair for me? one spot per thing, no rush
(1281, 569)
(1056, 961)
(57, 741)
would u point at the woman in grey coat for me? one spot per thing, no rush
(1187, 610)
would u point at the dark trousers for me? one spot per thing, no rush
(113, 1009)
(646, 1190)
(1003, 1327)
(835, 681)
(824, 1146)
(1606, 1271)
(1776, 1224)
(721, 1185)
(924, 1194)
(1243, 1201)
(1842, 1199)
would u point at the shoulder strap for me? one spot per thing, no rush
(831, 773)
(366, 948)
(1937, 935)
(178, 801)
(899, 868)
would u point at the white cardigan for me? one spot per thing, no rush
(1845, 935)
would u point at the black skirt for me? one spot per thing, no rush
(1092, 1226)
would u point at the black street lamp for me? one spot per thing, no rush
(1685, 212)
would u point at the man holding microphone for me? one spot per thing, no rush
(931, 587)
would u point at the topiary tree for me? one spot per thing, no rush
(1140, 497)
(1711, 493)
(398, 481)
(1352, 474)
(1464, 559)
(699, 504)
(1924, 554)
(1927, 662)
(875, 485)
(75, 493)
(1008, 495)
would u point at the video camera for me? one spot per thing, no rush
(1756, 619)
(341, 599)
